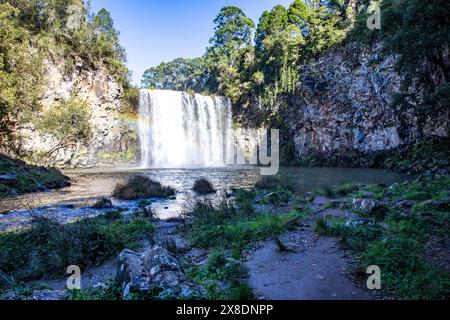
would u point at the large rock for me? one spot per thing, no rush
(371, 207)
(103, 203)
(156, 270)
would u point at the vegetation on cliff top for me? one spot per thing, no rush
(262, 75)
(32, 31)
(285, 38)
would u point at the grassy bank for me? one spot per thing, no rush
(415, 215)
(16, 177)
(48, 248)
(227, 228)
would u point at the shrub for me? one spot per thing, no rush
(68, 123)
(142, 187)
(245, 200)
(203, 187)
(324, 191)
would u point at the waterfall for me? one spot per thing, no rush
(178, 129)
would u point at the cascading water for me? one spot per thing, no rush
(177, 129)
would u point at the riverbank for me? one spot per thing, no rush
(17, 177)
(270, 240)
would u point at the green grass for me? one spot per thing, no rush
(347, 188)
(399, 251)
(227, 230)
(356, 238)
(48, 248)
(225, 227)
(405, 273)
(223, 277)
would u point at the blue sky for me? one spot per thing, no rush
(153, 31)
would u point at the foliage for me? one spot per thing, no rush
(254, 75)
(224, 226)
(420, 157)
(68, 123)
(398, 246)
(48, 248)
(179, 74)
(423, 63)
(223, 277)
(233, 30)
(32, 31)
(21, 73)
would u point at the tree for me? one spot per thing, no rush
(425, 27)
(103, 28)
(229, 47)
(21, 73)
(179, 74)
(233, 29)
(270, 23)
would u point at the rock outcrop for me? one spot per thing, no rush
(156, 272)
(343, 111)
(113, 137)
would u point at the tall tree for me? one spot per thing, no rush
(270, 23)
(233, 29)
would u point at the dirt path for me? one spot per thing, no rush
(316, 270)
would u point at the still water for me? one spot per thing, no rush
(74, 202)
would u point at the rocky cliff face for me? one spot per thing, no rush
(344, 111)
(113, 137)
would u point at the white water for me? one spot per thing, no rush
(177, 129)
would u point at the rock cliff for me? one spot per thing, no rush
(343, 112)
(113, 135)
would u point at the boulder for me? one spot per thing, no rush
(405, 205)
(360, 222)
(49, 295)
(371, 207)
(103, 203)
(156, 270)
(203, 186)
